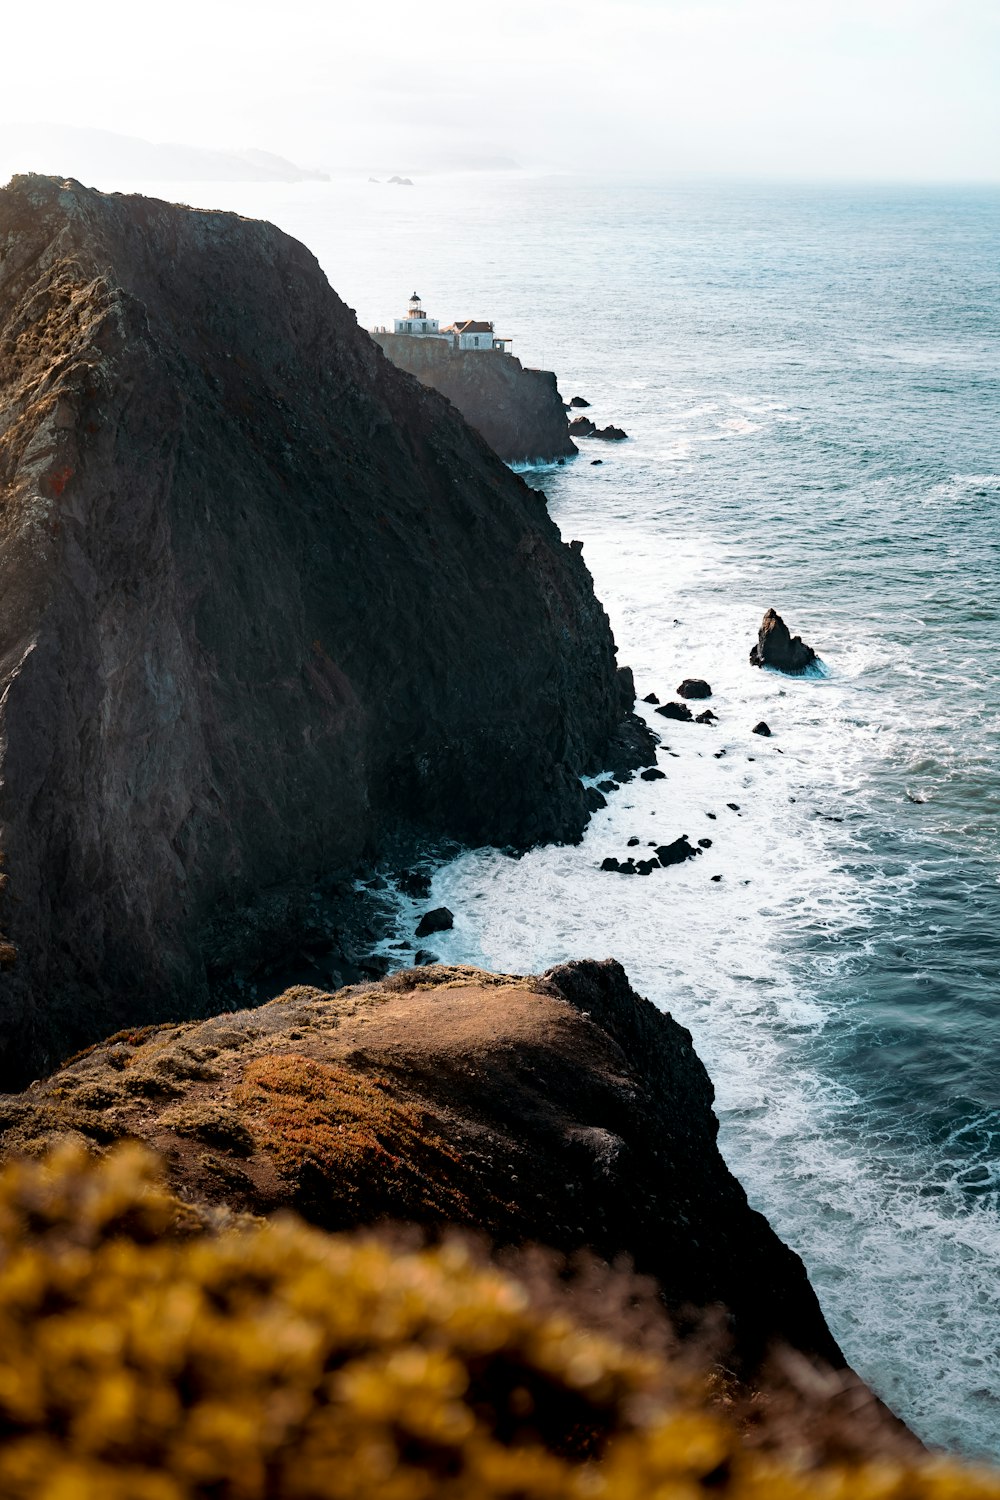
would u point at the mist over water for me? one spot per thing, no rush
(810, 378)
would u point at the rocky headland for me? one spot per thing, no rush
(518, 411)
(265, 601)
(561, 1109)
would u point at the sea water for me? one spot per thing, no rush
(809, 378)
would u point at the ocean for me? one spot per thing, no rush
(810, 377)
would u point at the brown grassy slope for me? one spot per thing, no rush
(563, 1110)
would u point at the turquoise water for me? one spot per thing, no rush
(810, 379)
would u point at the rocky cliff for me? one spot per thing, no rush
(262, 597)
(519, 412)
(563, 1109)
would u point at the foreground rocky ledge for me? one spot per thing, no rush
(562, 1109)
(264, 599)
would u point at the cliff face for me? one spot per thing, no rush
(261, 597)
(519, 412)
(564, 1110)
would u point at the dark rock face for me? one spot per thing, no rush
(518, 411)
(611, 434)
(563, 1110)
(678, 711)
(264, 600)
(694, 687)
(438, 920)
(776, 647)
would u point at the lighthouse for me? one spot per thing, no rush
(416, 321)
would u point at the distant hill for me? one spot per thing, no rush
(96, 156)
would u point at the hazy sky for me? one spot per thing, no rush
(874, 88)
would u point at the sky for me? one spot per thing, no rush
(884, 89)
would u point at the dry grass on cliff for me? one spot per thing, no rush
(275, 1362)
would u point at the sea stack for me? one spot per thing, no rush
(776, 647)
(263, 600)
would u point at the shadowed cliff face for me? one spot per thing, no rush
(261, 596)
(564, 1110)
(519, 412)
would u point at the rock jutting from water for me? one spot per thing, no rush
(694, 687)
(776, 647)
(584, 427)
(266, 604)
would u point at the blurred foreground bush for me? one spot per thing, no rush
(144, 1357)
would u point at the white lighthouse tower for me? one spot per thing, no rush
(417, 322)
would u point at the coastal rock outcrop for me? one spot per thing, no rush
(563, 1110)
(518, 411)
(265, 601)
(694, 687)
(776, 647)
(583, 427)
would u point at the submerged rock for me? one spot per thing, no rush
(706, 717)
(679, 711)
(762, 728)
(579, 401)
(196, 723)
(776, 647)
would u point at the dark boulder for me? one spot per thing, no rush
(776, 647)
(694, 687)
(651, 698)
(579, 401)
(707, 717)
(677, 852)
(704, 843)
(652, 774)
(632, 842)
(414, 883)
(678, 711)
(595, 461)
(762, 728)
(438, 920)
(582, 427)
(595, 800)
(610, 863)
(607, 786)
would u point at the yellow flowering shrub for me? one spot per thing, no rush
(144, 1358)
